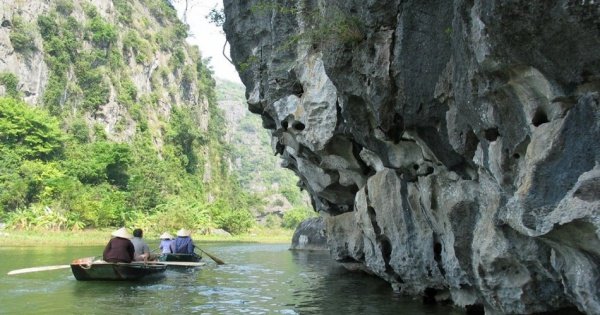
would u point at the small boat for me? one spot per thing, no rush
(180, 257)
(86, 269)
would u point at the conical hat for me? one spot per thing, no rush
(166, 235)
(184, 233)
(122, 232)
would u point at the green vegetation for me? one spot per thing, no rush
(156, 165)
(10, 83)
(258, 169)
(99, 237)
(22, 35)
(60, 170)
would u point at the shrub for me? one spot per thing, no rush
(10, 82)
(65, 7)
(124, 11)
(295, 216)
(30, 132)
(102, 33)
(22, 36)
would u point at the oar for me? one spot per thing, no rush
(36, 269)
(217, 260)
(177, 263)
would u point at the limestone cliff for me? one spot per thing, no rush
(122, 65)
(452, 146)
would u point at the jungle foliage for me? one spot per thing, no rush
(62, 169)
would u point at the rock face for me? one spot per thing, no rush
(154, 77)
(452, 146)
(310, 235)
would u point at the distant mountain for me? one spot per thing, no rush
(257, 168)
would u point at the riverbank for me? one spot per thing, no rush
(100, 237)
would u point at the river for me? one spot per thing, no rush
(257, 279)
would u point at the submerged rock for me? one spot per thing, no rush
(451, 146)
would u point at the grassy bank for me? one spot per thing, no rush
(100, 237)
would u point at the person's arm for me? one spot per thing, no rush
(146, 248)
(130, 251)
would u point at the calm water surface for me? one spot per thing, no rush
(257, 279)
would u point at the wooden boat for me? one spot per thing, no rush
(180, 257)
(86, 269)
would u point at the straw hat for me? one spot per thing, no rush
(122, 232)
(184, 233)
(166, 236)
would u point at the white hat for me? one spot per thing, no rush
(184, 233)
(122, 232)
(166, 235)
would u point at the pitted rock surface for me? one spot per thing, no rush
(452, 147)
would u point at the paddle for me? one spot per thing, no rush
(36, 269)
(177, 263)
(217, 260)
(46, 268)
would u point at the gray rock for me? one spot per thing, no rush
(310, 235)
(451, 146)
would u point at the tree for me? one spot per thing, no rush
(31, 133)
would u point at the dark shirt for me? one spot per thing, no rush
(182, 245)
(118, 250)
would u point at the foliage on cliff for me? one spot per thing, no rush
(257, 168)
(127, 131)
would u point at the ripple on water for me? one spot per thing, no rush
(257, 279)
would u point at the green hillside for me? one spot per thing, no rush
(126, 130)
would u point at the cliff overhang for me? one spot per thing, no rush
(452, 146)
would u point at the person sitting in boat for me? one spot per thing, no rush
(119, 248)
(142, 250)
(183, 244)
(165, 243)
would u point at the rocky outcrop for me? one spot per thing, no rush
(452, 146)
(310, 235)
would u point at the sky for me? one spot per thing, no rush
(208, 37)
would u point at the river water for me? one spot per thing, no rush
(257, 279)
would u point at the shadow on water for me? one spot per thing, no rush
(257, 279)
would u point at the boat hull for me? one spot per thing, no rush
(180, 257)
(88, 270)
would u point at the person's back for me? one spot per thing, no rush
(183, 244)
(141, 248)
(165, 246)
(119, 248)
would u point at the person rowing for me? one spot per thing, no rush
(183, 244)
(119, 248)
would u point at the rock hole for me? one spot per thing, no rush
(298, 126)
(298, 89)
(437, 252)
(284, 125)
(471, 142)
(6, 23)
(475, 309)
(516, 156)
(416, 167)
(373, 217)
(539, 118)
(491, 134)
(386, 252)
(429, 296)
